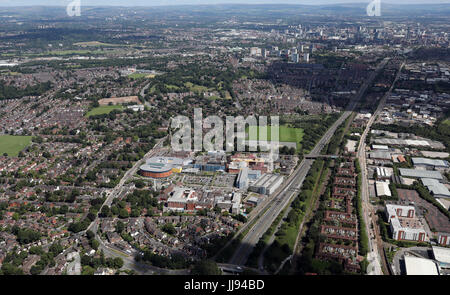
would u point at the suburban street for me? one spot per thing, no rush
(118, 190)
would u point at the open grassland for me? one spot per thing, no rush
(141, 76)
(94, 44)
(286, 134)
(103, 110)
(12, 145)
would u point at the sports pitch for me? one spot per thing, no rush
(12, 145)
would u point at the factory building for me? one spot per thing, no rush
(382, 189)
(420, 266)
(431, 164)
(437, 189)
(404, 224)
(383, 172)
(380, 147)
(267, 184)
(416, 173)
(380, 155)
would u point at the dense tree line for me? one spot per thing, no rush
(11, 92)
(25, 235)
(175, 261)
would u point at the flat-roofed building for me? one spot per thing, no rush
(416, 173)
(431, 154)
(442, 256)
(382, 189)
(437, 189)
(267, 184)
(230, 202)
(380, 147)
(182, 199)
(420, 266)
(384, 172)
(404, 224)
(430, 163)
(380, 155)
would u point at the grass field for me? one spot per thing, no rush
(196, 88)
(103, 110)
(286, 134)
(140, 76)
(94, 44)
(12, 145)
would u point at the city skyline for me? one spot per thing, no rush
(205, 2)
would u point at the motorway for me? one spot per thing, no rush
(375, 242)
(293, 184)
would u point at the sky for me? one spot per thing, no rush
(192, 2)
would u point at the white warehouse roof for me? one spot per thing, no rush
(383, 189)
(441, 254)
(420, 266)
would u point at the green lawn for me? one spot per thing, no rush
(140, 76)
(196, 88)
(286, 134)
(96, 44)
(12, 145)
(103, 110)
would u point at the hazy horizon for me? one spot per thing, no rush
(202, 2)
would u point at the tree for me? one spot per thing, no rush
(123, 213)
(106, 211)
(87, 270)
(120, 226)
(169, 228)
(205, 267)
(90, 234)
(117, 263)
(56, 248)
(95, 244)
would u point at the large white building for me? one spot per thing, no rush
(420, 266)
(267, 184)
(404, 224)
(382, 189)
